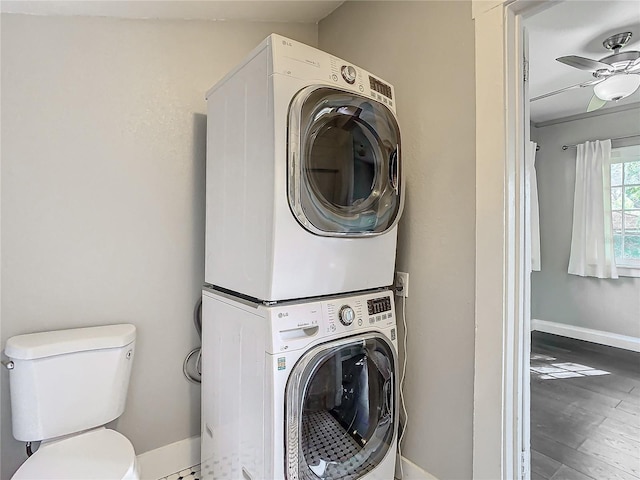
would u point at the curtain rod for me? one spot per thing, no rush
(566, 147)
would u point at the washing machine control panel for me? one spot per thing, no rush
(378, 305)
(346, 315)
(353, 313)
(297, 325)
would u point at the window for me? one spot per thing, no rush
(625, 206)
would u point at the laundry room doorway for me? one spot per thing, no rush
(503, 289)
(585, 337)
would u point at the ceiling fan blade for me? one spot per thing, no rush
(634, 67)
(572, 87)
(596, 103)
(584, 63)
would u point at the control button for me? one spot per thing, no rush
(359, 322)
(361, 88)
(372, 320)
(377, 318)
(332, 327)
(346, 315)
(349, 74)
(334, 77)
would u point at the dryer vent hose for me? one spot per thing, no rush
(197, 321)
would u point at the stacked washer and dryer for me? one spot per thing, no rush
(304, 193)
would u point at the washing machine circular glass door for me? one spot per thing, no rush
(344, 168)
(341, 416)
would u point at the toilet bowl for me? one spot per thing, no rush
(65, 386)
(100, 454)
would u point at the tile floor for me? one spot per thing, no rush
(543, 367)
(330, 450)
(192, 473)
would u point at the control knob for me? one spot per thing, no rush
(349, 74)
(346, 315)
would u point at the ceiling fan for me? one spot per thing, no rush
(616, 76)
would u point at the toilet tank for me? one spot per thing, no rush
(67, 381)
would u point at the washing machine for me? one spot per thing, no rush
(304, 183)
(299, 390)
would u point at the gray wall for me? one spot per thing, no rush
(103, 157)
(405, 43)
(601, 304)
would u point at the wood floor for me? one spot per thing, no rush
(587, 426)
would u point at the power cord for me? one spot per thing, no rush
(197, 320)
(404, 372)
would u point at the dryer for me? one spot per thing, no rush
(304, 176)
(299, 390)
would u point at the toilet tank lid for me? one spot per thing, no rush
(59, 342)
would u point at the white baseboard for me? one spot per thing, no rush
(169, 459)
(411, 470)
(590, 335)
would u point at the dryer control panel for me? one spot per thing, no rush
(296, 325)
(295, 59)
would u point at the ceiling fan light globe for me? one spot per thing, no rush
(617, 87)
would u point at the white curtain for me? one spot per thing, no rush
(531, 204)
(592, 251)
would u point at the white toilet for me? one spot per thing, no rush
(65, 386)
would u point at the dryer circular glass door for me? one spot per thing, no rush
(344, 167)
(341, 416)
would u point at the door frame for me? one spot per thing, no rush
(501, 389)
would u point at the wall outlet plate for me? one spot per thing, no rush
(402, 284)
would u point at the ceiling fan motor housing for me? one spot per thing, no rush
(617, 41)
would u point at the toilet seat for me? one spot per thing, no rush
(101, 454)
